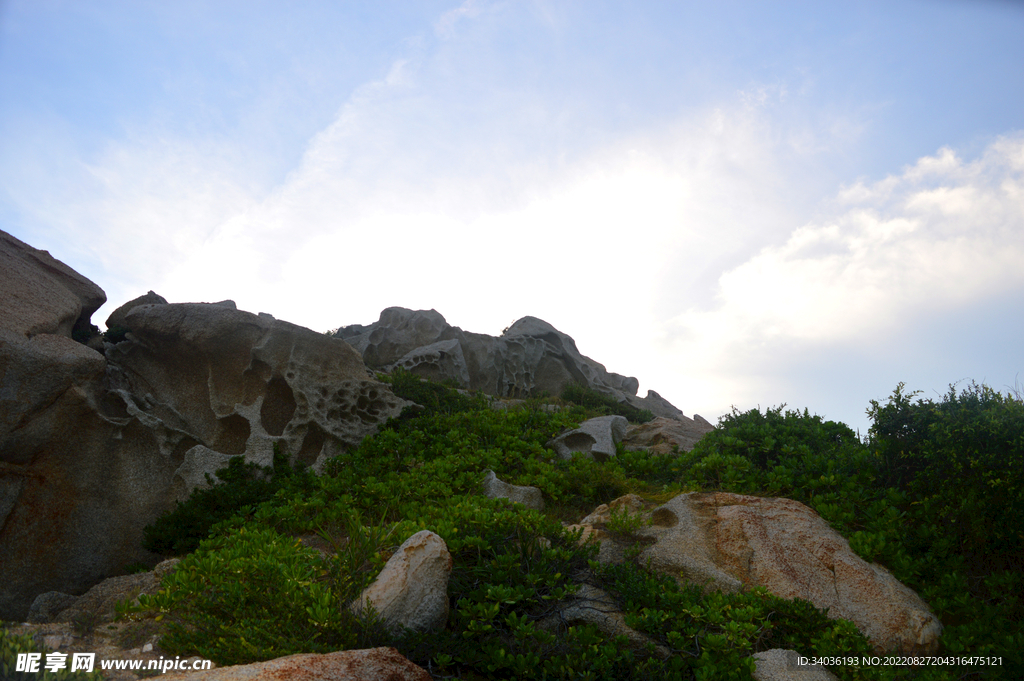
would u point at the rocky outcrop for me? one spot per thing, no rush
(783, 665)
(412, 589)
(93, 447)
(665, 436)
(530, 357)
(116, 320)
(530, 497)
(730, 542)
(595, 438)
(371, 664)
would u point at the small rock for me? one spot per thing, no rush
(530, 497)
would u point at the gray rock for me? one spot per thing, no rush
(116, 318)
(199, 462)
(412, 589)
(371, 664)
(47, 606)
(595, 438)
(530, 497)
(781, 665)
(663, 435)
(531, 357)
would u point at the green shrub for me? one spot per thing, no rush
(11, 644)
(242, 486)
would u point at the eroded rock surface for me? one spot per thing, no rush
(595, 438)
(530, 357)
(371, 664)
(732, 541)
(664, 436)
(530, 497)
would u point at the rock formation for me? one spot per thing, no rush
(732, 541)
(595, 438)
(372, 664)
(530, 497)
(92, 446)
(530, 357)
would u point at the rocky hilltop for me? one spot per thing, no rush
(529, 358)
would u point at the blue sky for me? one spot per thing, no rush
(739, 203)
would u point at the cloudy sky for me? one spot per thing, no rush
(739, 203)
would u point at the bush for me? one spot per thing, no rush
(242, 486)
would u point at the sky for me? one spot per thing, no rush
(742, 204)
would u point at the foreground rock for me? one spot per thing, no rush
(412, 589)
(372, 664)
(530, 357)
(595, 438)
(93, 447)
(732, 541)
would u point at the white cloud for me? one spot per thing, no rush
(943, 234)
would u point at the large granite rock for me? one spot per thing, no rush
(595, 438)
(665, 436)
(412, 589)
(529, 358)
(92, 447)
(116, 319)
(731, 541)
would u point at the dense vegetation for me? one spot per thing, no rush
(934, 494)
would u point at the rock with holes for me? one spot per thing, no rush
(529, 358)
(412, 589)
(595, 438)
(530, 497)
(732, 541)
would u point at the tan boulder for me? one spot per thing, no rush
(412, 589)
(116, 319)
(372, 664)
(663, 435)
(732, 541)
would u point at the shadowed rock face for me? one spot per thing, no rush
(93, 447)
(529, 358)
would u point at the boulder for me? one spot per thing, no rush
(412, 589)
(198, 462)
(92, 446)
(47, 606)
(116, 320)
(590, 605)
(731, 541)
(372, 664)
(530, 497)
(593, 527)
(664, 435)
(595, 438)
(782, 665)
(529, 358)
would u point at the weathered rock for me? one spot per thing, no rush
(530, 497)
(440, 361)
(198, 462)
(116, 319)
(732, 541)
(412, 589)
(781, 665)
(47, 606)
(531, 357)
(90, 445)
(591, 605)
(372, 664)
(663, 435)
(237, 382)
(41, 295)
(613, 548)
(595, 437)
